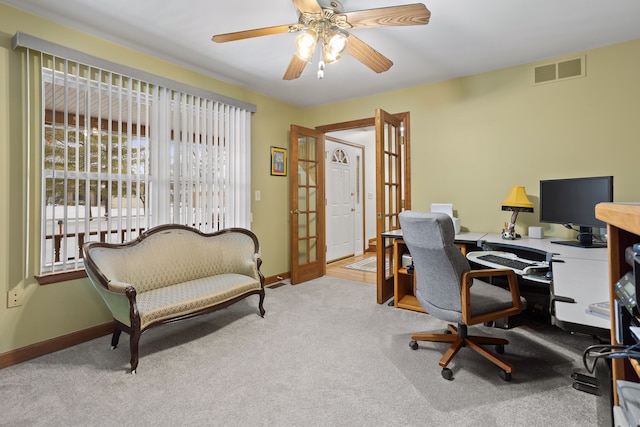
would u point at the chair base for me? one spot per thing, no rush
(458, 338)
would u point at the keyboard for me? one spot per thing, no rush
(532, 270)
(514, 264)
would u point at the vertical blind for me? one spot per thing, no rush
(120, 155)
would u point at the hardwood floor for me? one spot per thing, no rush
(335, 269)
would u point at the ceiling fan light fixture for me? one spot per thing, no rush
(306, 44)
(326, 21)
(333, 46)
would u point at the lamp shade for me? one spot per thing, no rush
(306, 43)
(517, 200)
(333, 45)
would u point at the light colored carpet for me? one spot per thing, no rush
(325, 354)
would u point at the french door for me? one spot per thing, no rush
(393, 191)
(307, 202)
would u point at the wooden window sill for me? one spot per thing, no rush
(47, 279)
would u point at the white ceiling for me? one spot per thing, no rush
(464, 37)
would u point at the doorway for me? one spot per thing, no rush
(307, 194)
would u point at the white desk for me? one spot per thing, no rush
(470, 237)
(464, 236)
(580, 278)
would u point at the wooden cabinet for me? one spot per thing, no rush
(404, 282)
(623, 230)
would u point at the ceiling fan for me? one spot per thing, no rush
(324, 22)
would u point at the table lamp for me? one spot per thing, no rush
(517, 201)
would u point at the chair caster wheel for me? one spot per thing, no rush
(448, 332)
(500, 349)
(506, 376)
(447, 374)
(489, 324)
(413, 344)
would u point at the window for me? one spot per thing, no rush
(120, 154)
(95, 152)
(339, 156)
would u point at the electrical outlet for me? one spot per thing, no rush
(14, 298)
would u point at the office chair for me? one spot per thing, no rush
(444, 289)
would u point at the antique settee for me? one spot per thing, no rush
(171, 273)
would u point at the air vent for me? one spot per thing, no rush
(545, 73)
(557, 71)
(571, 68)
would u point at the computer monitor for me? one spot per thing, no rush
(572, 201)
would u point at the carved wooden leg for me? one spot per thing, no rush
(134, 339)
(115, 338)
(260, 303)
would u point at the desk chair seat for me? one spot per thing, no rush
(449, 290)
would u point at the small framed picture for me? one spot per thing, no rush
(278, 161)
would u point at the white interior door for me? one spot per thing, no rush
(341, 198)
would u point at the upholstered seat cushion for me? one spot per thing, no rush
(486, 298)
(183, 298)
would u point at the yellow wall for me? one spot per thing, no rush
(472, 139)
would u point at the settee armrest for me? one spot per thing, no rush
(117, 299)
(243, 253)
(117, 296)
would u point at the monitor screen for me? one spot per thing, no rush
(572, 202)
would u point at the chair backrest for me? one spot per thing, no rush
(439, 264)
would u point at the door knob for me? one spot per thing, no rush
(297, 212)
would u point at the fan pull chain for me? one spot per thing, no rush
(320, 70)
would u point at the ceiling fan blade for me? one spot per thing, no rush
(258, 32)
(309, 6)
(295, 68)
(367, 55)
(410, 14)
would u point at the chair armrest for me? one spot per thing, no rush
(468, 276)
(467, 281)
(489, 272)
